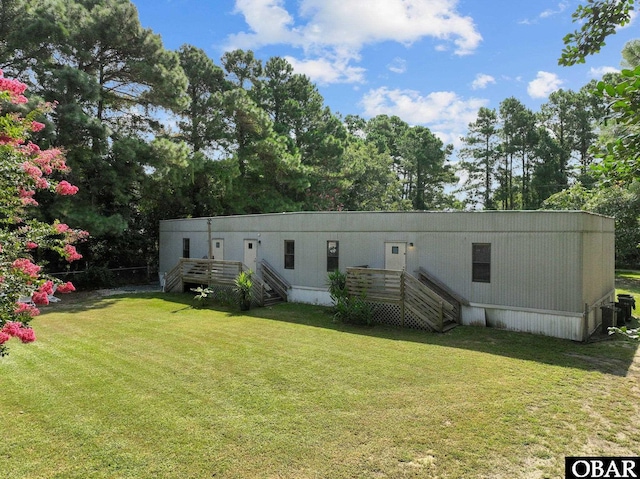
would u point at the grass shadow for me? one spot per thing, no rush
(611, 356)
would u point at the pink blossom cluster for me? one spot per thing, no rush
(71, 254)
(26, 267)
(64, 188)
(49, 160)
(26, 308)
(41, 296)
(14, 88)
(26, 196)
(67, 287)
(61, 227)
(17, 330)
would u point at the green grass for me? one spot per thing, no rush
(143, 386)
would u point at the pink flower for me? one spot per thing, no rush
(4, 337)
(40, 297)
(32, 148)
(46, 287)
(66, 188)
(24, 308)
(32, 170)
(26, 197)
(31, 245)
(14, 88)
(27, 335)
(61, 227)
(67, 287)
(11, 328)
(37, 126)
(71, 254)
(26, 267)
(42, 184)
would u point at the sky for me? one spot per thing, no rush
(430, 62)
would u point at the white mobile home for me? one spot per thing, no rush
(544, 272)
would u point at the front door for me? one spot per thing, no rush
(250, 253)
(395, 256)
(217, 249)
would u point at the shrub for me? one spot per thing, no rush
(348, 309)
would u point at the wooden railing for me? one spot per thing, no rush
(202, 271)
(271, 277)
(210, 272)
(443, 290)
(408, 293)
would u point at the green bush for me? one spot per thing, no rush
(348, 309)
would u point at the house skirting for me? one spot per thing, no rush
(559, 324)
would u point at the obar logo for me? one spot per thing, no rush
(601, 467)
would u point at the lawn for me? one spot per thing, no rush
(143, 386)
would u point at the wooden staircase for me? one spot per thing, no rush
(276, 287)
(271, 289)
(418, 304)
(443, 290)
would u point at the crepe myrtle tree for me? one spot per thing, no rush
(24, 170)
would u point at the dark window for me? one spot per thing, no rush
(332, 255)
(289, 254)
(395, 250)
(186, 248)
(250, 245)
(481, 262)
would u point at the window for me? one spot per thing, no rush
(332, 255)
(395, 250)
(186, 247)
(289, 254)
(481, 263)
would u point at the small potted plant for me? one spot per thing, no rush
(243, 288)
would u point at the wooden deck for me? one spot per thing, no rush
(415, 302)
(222, 274)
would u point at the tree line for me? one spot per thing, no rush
(152, 134)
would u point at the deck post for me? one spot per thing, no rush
(402, 298)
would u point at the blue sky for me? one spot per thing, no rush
(431, 62)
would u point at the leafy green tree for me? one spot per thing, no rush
(518, 125)
(369, 183)
(621, 202)
(479, 156)
(111, 78)
(599, 19)
(429, 172)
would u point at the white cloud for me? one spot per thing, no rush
(337, 30)
(544, 84)
(562, 6)
(481, 81)
(550, 12)
(598, 72)
(444, 112)
(325, 71)
(398, 65)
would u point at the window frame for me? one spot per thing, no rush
(333, 258)
(186, 247)
(289, 256)
(481, 262)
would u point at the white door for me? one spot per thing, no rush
(395, 256)
(217, 249)
(250, 253)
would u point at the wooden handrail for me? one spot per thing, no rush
(439, 284)
(406, 291)
(275, 280)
